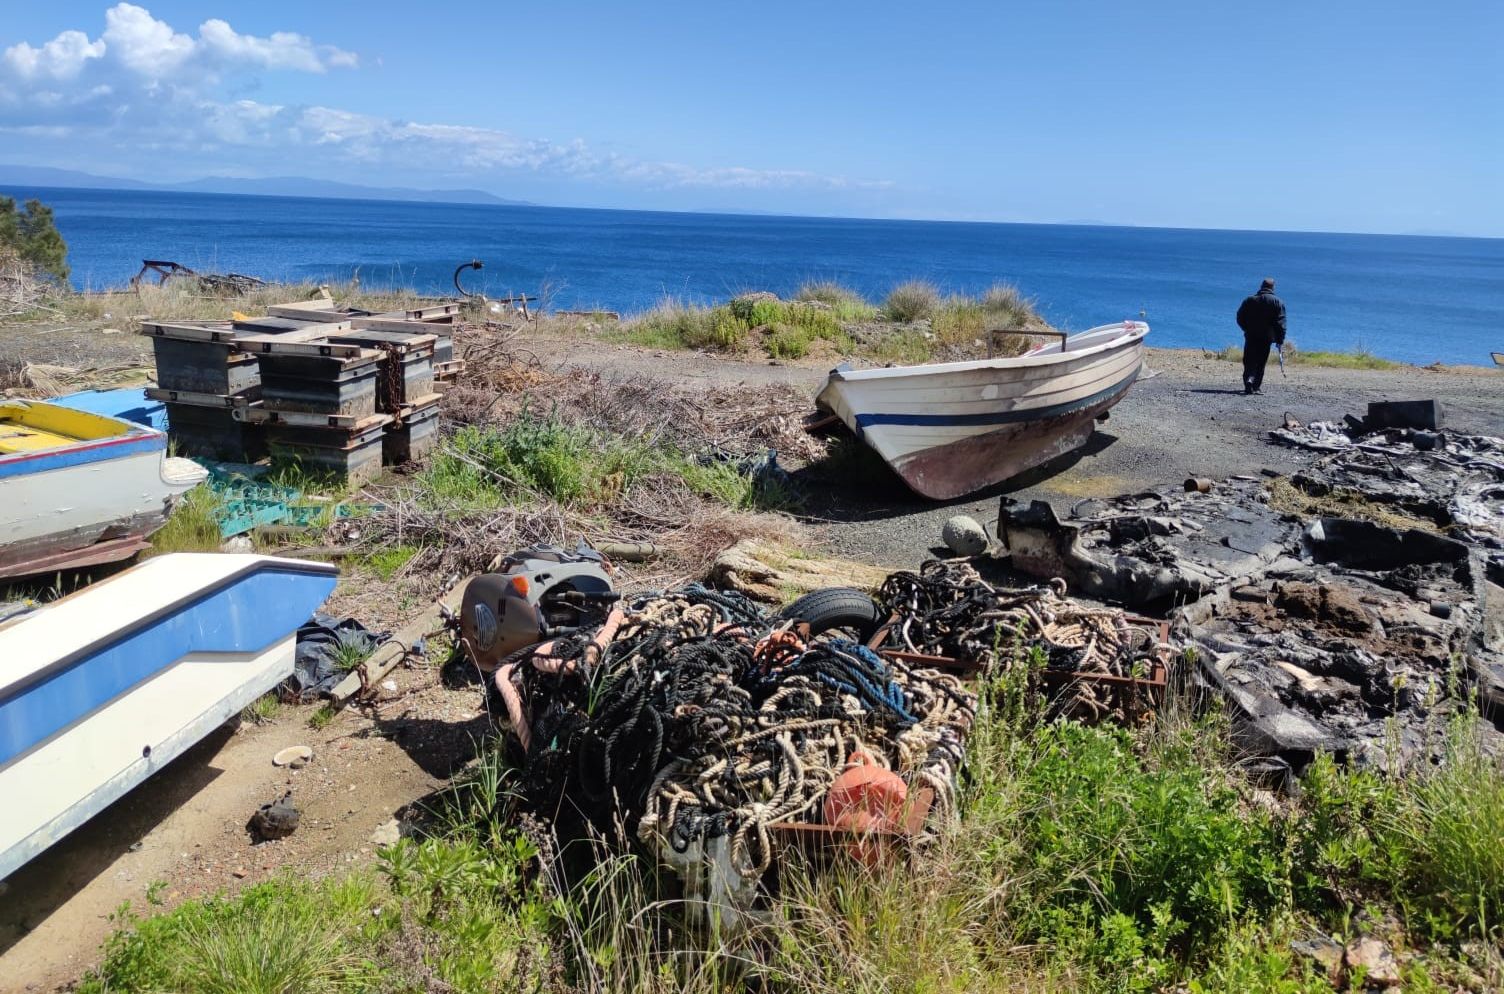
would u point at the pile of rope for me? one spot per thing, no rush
(947, 609)
(691, 715)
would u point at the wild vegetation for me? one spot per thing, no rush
(1081, 858)
(914, 323)
(1359, 358)
(29, 234)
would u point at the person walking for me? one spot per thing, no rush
(1262, 318)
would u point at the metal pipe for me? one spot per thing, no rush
(472, 264)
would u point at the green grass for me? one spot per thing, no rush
(544, 456)
(1356, 359)
(1093, 859)
(387, 563)
(263, 709)
(274, 938)
(824, 315)
(192, 526)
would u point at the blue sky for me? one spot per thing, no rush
(1373, 116)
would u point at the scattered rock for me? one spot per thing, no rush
(276, 820)
(239, 873)
(964, 536)
(754, 296)
(1327, 953)
(390, 686)
(1376, 960)
(774, 574)
(237, 543)
(294, 757)
(387, 833)
(111, 331)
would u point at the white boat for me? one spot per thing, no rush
(102, 688)
(78, 489)
(954, 427)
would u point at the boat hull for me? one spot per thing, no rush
(953, 428)
(114, 682)
(87, 503)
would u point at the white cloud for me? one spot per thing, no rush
(143, 44)
(64, 57)
(283, 50)
(136, 44)
(145, 85)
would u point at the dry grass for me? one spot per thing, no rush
(607, 459)
(1288, 498)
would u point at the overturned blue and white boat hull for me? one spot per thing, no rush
(101, 689)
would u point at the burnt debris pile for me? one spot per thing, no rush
(1349, 608)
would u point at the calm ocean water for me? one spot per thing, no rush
(1416, 299)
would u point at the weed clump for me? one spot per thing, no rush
(913, 301)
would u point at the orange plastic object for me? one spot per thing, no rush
(865, 797)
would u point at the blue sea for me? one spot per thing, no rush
(1412, 298)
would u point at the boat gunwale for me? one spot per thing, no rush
(1135, 335)
(13, 685)
(137, 438)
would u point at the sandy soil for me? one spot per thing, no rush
(184, 830)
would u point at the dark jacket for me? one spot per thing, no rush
(1263, 316)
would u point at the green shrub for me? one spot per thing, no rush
(786, 341)
(1131, 856)
(31, 234)
(911, 301)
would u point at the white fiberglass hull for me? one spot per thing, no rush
(951, 428)
(105, 687)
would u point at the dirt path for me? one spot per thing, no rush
(182, 834)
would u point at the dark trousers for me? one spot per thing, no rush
(1255, 358)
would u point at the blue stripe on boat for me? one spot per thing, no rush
(246, 615)
(996, 417)
(26, 463)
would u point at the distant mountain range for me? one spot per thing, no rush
(275, 186)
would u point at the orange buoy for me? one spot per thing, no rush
(865, 797)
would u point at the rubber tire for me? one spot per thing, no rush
(835, 607)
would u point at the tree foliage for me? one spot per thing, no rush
(31, 234)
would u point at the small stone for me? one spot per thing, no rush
(1326, 952)
(387, 833)
(1376, 960)
(110, 331)
(239, 873)
(389, 686)
(964, 536)
(237, 543)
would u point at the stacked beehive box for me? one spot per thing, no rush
(337, 390)
(318, 400)
(206, 382)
